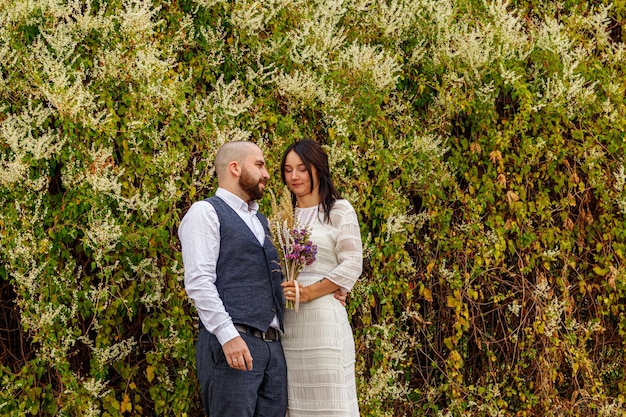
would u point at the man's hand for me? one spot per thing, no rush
(237, 354)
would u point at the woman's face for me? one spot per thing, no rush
(298, 178)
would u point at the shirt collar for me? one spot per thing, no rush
(236, 202)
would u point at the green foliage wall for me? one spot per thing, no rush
(481, 142)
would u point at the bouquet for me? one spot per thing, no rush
(293, 241)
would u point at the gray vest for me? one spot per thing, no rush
(248, 273)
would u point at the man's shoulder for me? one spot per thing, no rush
(209, 200)
(199, 207)
(199, 213)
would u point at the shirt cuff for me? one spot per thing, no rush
(227, 334)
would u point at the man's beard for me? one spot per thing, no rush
(250, 185)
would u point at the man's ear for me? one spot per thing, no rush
(234, 168)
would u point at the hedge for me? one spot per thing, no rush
(481, 142)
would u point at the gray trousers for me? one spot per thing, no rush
(228, 392)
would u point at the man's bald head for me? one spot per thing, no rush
(232, 151)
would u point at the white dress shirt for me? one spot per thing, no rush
(199, 234)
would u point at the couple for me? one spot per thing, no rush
(248, 345)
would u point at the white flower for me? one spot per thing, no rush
(137, 19)
(102, 174)
(253, 16)
(113, 353)
(209, 3)
(383, 68)
(303, 86)
(319, 37)
(515, 307)
(102, 234)
(27, 137)
(394, 18)
(230, 99)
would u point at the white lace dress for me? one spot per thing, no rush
(318, 340)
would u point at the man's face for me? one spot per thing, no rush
(254, 176)
(251, 185)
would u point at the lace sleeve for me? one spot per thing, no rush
(348, 247)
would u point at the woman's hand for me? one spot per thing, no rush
(313, 291)
(289, 290)
(342, 296)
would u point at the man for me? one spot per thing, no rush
(233, 276)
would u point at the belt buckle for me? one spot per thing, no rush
(264, 336)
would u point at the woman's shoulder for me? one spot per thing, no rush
(342, 206)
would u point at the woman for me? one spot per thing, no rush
(318, 341)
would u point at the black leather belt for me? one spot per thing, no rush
(271, 335)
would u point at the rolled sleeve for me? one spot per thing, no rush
(349, 247)
(199, 234)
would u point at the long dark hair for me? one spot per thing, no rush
(312, 153)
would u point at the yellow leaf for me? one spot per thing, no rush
(452, 302)
(457, 360)
(126, 405)
(150, 373)
(600, 271)
(372, 301)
